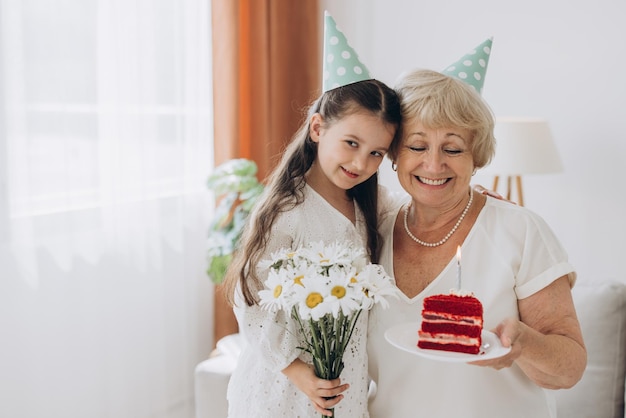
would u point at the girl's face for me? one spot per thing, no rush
(350, 150)
(435, 166)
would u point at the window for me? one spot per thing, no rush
(104, 100)
(105, 148)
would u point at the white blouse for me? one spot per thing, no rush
(509, 254)
(257, 387)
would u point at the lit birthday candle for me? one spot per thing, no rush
(458, 267)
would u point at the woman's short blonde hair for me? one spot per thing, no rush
(440, 101)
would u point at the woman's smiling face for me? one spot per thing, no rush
(435, 165)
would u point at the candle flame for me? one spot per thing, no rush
(458, 253)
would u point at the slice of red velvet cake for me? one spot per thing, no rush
(451, 322)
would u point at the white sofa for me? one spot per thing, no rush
(601, 310)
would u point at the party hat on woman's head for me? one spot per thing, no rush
(341, 63)
(473, 66)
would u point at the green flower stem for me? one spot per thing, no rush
(326, 340)
(339, 332)
(352, 326)
(328, 362)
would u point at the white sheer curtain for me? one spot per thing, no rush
(105, 146)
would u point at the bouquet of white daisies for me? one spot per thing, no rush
(325, 288)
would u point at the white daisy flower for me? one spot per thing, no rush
(377, 285)
(342, 295)
(282, 257)
(331, 254)
(274, 296)
(312, 298)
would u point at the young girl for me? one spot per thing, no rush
(324, 188)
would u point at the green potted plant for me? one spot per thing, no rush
(236, 189)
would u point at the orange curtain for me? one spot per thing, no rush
(266, 70)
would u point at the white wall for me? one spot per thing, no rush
(560, 60)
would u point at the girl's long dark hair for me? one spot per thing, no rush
(285, 185)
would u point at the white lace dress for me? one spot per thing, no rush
(257, 387)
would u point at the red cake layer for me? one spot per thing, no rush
(457, 348)
(454, 304)
(451, 323)
(452, 328)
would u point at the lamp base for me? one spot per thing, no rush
(509, 188)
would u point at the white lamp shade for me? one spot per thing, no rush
(524, 146)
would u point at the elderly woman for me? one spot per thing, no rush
(511, 261)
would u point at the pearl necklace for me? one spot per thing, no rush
(438, 243)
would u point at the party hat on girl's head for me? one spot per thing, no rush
(473, 66)
(341, 63)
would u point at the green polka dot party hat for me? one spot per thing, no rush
(341, 63)
(472, 67)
